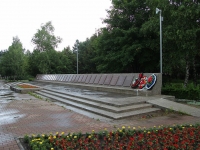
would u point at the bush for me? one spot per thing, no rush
(176, 89)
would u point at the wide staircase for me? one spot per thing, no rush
(111, 108)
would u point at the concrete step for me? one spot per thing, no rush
(97, 104)
(98, 108)
(126, 101)
(99, 111)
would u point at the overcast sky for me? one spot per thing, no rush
(72, 19)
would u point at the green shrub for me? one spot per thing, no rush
(176, 89)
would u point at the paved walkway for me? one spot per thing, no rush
(176, 106)
(22, 114)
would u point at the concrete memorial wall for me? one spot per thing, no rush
(123, 80)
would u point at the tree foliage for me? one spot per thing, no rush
(129, 42)
(45, 39)
(13, 61)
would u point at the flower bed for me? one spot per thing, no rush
(157, 138)
(24, 88)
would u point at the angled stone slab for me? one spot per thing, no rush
(70, 78)
(97, 79)
(73, 78)
(114, 80)
(84, 78)
(102, 79)
(65, 77)
(128, 80)
(60, 77)
(88, 78)
(77, 77)
(53, 78)
(80, 78)
(57, 76)
(108, 79)
(49, 77)
(45, 77)
(121, 80)
(92, 79)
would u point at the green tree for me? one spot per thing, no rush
(121, 46)
(180, 33)
(45, 39)
(87, 54)
(13, 60)
(44, 55)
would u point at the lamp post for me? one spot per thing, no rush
(77, 59)
(157, 11)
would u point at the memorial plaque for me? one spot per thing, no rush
(102, 79)
(77, 77)
(44, 77)
(92, 79)
(66, 77)
(59, 77)
(84, 78)
(128, 81)
(120, 81)
(63, 77)
(51, 77)
(88, 78)
(80, 78)
(73, 78)
(70, 78)
(56, 77)
(97, 79)
(47, 77)
(114, 80)
(108, 79)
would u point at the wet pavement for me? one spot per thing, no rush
(22, 114)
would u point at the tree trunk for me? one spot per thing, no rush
(186, 73)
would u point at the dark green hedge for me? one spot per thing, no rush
(176, 89)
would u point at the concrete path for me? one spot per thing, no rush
(164, 103)
(22, 114)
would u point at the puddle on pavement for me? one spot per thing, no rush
(9, 115)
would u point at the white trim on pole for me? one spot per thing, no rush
(157, 11)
